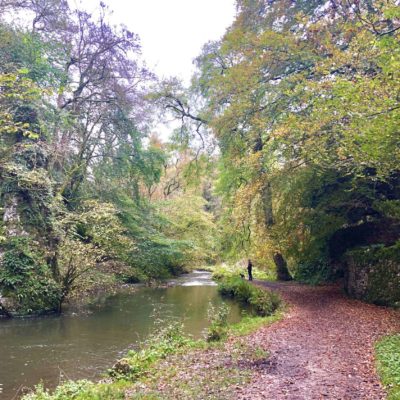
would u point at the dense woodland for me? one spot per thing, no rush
(286, 150)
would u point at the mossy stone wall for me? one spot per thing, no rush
(373, 275)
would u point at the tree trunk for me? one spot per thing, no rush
(281, 268)
(267, 202)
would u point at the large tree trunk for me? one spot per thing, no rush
(281, 268)
(280, 263)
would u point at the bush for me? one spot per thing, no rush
(265, 302)
(262, 301)
(236, 287)
(314, 272)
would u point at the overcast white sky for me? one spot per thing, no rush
(172, 32)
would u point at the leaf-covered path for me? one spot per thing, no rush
(323, 348)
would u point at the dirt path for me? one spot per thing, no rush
(323, 348)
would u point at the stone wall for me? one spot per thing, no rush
(373, 275)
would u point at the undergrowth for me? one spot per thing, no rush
(263, 302)
(166, 340)
(218, 319)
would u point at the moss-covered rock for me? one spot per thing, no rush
(373, 274)
(26, 281)
(28, 235)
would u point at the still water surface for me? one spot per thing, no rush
(85, 344)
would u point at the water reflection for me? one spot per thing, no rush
(85, 345)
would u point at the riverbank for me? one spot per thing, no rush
(179, 368)
(324, 347)
(103, 284)
(83, 344)
(170, 363)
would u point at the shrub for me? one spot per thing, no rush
(262, 301)
(314, 272)
(236, 287)
(265, 302)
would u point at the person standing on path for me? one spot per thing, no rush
(249, 270)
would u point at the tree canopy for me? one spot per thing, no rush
(286, 151)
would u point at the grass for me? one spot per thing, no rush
(388, 364)
(167, 339)
(81, 390)
(210, 372)
(249, 324)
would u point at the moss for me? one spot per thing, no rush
(26, 278)
(384, 284)
(374, 274)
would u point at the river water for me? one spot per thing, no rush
(84, 344)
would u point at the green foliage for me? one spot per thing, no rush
(381, 265)
(389, 208)
(79, 390)
(302, 100)
(186, 219)
(388, 364)
(165, 340)
(218, 319)
(74, 177)
(265, 302)
(236, 287)
(17, 92)
(313, 272)
(262, 301)
(26, 278)
(155, 255)
(227, 269)
(250, 323)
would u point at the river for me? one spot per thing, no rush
(84, 344)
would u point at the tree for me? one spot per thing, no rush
(302, 99)
(73, 119)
